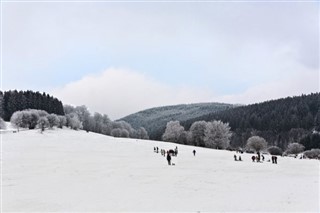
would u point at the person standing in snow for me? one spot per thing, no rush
(169, 159)
(194, 152)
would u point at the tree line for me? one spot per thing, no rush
(12, 101)
(216, 134)
(281, 122)
(100, 123)
(75, 118)
(28, 109)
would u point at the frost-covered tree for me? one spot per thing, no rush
(68, 109)
(16, 119)
(184, 138)
(142, 133)
(173, 131)
(62, 121)
(256, 143)
(43, 123)
(124, 133)
(217, 135)
(73, 121)
(106, 129)
(294, 148)
(126, 126)
(116, 132)
(27, 118)
(274, 150)
(53, 120)
(197, 131)
(33, 116)
(83, 115)
(98, 118)
(2, 124)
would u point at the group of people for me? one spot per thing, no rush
(169, 153)
(257, 158)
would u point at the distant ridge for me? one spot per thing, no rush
(154, 120)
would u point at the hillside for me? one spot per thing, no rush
(280, 121)
(154, 120)
(74, 171)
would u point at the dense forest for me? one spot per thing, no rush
(280, 122)
(154, 120)
(12, 101)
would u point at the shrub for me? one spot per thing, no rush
(312, 154)
(294, 148)
(274, 150)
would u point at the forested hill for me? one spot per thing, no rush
(12, 101)
(154, 120)
(280, 122)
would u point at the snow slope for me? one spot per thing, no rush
(65, 170)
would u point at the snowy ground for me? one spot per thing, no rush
(65, 170)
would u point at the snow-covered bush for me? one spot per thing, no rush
(274, 150)
(53, 120)
(43, 123)
(256, 143)
(312, 154)
(217, 135)
(2, 124)
(294, 148)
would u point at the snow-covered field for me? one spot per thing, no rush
(65, 170)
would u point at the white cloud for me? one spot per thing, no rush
(299, 82)
(119, 92)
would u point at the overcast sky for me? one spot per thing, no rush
(120, 58)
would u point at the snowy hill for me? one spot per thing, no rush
(154, 120)
(65, 170)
